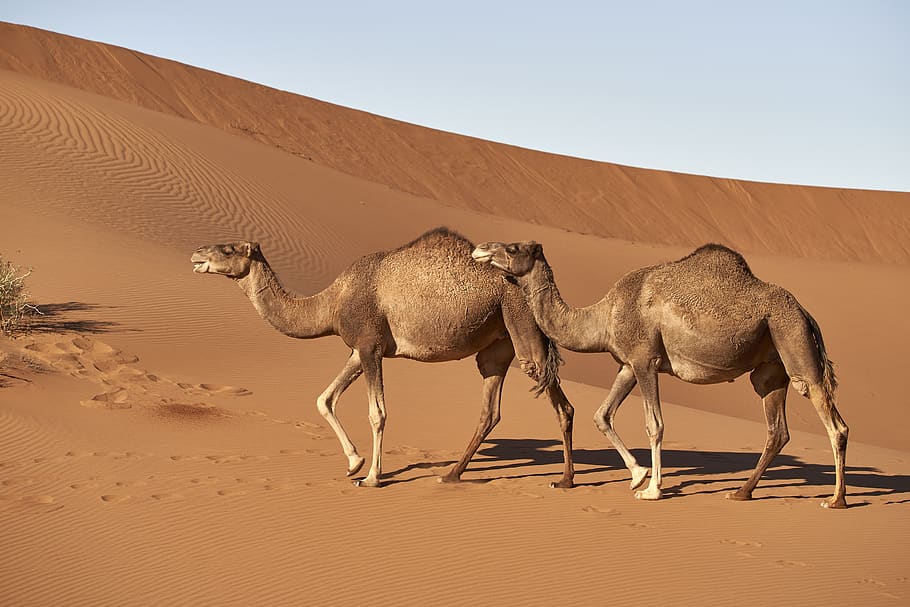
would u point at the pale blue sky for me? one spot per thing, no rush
(798, 92)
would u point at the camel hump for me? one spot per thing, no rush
(718, 256)
(440, 235)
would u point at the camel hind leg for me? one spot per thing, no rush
(371, 361)
(493, 363)
(802, 350)
(770, 381)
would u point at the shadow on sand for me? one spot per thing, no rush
(63, 318)
(730, 468)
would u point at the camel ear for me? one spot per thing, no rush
(250, 248)
(537, 250)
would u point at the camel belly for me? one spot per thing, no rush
(442, 341)
(712, 355)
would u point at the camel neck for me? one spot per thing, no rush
(577, 329)
(301, 317)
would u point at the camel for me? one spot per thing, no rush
(426, 301)
(705, 319)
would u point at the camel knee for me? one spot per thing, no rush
(654, 428)
(603, 421)
(377, 418)
(530, 368)
(325, 406)
(778, 438)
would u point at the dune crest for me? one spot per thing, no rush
(597, 198)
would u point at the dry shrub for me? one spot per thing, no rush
(15, 308)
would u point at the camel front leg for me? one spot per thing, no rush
(566, 413)
(372, 369)
(493, 363)
(770, 382)
(654, 425)
(326, 405)
(603, 419)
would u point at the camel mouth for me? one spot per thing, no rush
(481, 256)
(200, 267)
(499, 266)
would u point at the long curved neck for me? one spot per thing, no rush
(578, 329)
(301, 317)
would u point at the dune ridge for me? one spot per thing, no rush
(598, 198)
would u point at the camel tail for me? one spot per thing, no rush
(829, 379)
(550, 375)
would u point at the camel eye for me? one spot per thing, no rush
(512, 249)
(228, 250)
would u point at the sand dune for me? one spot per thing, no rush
(159, 443)
(602, 199)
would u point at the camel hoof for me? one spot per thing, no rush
(736, 496)
(367, 482)
(565, 483)
(354, 468)
(648, 494)
(834, 504)
(639, 474)
(448, 478)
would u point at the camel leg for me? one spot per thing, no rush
(799, 350)
(493, 363)
(372, 369)
(603, 419)
(837, 433)
(770, 381)
(566, 413)
(326, 405)
(654, 424)
(533, 350)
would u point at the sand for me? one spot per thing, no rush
(160, 444)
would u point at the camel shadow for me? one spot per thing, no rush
(58, 318)
(695, 472)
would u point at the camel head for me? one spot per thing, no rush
(515, 259)
(232, 260)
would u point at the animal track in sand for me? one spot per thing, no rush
(596, 510)
(38, 499)
(115, 499)
(790, 564)
(741, 544)
(125, 384)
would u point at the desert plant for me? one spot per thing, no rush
(14, 305)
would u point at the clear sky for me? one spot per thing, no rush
(809, 92)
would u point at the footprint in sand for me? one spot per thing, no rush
(115, 399)
(790, 564)
(38, 499)
(741, 544)
(115, 499)
(639, 526)
(596, 510)
(165, 497)
(232, 492)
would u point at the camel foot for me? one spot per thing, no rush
(566, 483)
(639, 474)
(649, 494)
(367, 482)
(355, 463)
(835, 503)
(449, 478)
(739, 496)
